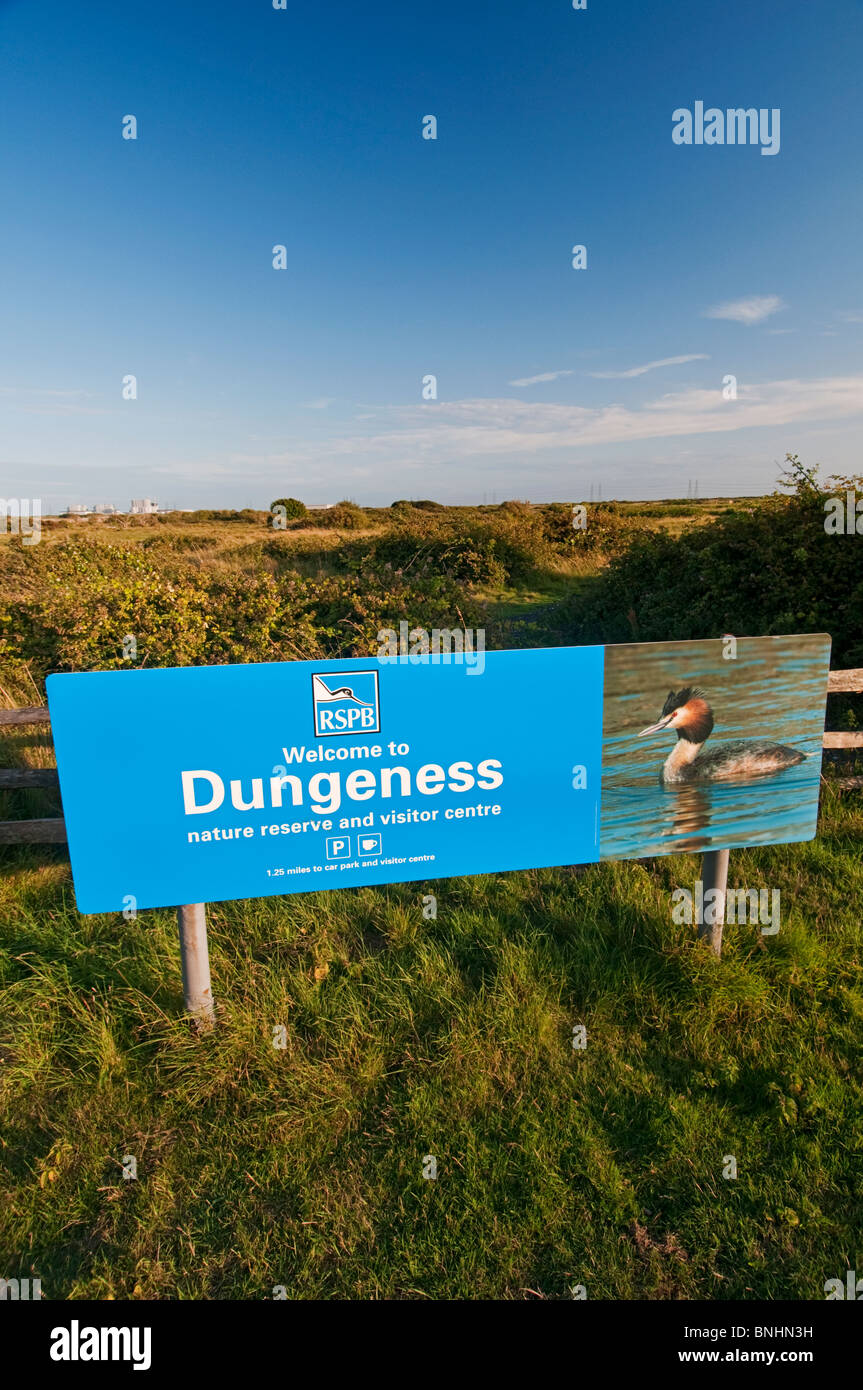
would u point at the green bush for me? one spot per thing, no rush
(608, 529)
(468, 549)
(344, 516)
(346, 612)
(663, 509)
(424, 505)
(768, 569)
(411, 554)
(293, 508)
(75, 603)
(207, 514)
(88, 598)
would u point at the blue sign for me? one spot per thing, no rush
(200, 784)
(206, 783)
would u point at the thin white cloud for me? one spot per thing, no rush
(474, 429)
(42, 400)
(651, 366)
(543, 376)
(321, 403)
(41, 391)
(850, 316)
(748, 311)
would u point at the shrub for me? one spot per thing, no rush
(89, 597)
(465, 548)
(410, 552)
(346, 612)
(344, 516)
(767, 570)
(75, 603)
(293, 507)
(663, 509)
(608, 530)
(425, 505)
(210, 514)
(207, 514)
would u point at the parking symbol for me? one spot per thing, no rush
(369, 844)
(339, 849)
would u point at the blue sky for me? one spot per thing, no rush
(408, 257)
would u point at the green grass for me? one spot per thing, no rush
(407, 1037)
(516, 602)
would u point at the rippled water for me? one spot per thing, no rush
(775, 689)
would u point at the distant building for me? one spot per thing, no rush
(143, 506)
(105, 509)
(77, 509)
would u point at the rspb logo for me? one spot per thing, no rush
(346, 703)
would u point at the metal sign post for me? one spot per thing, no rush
(195, 963)
(714, 874)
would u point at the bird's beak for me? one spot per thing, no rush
(655, 728)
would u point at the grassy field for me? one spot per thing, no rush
(408, 1038)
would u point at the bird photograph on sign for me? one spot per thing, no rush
(707, 753)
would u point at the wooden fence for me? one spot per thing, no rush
(192, 916)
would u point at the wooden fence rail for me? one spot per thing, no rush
(28, 777)
(846, 682)
(28, 714)
(33, 832)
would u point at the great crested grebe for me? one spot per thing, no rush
(688, 712)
